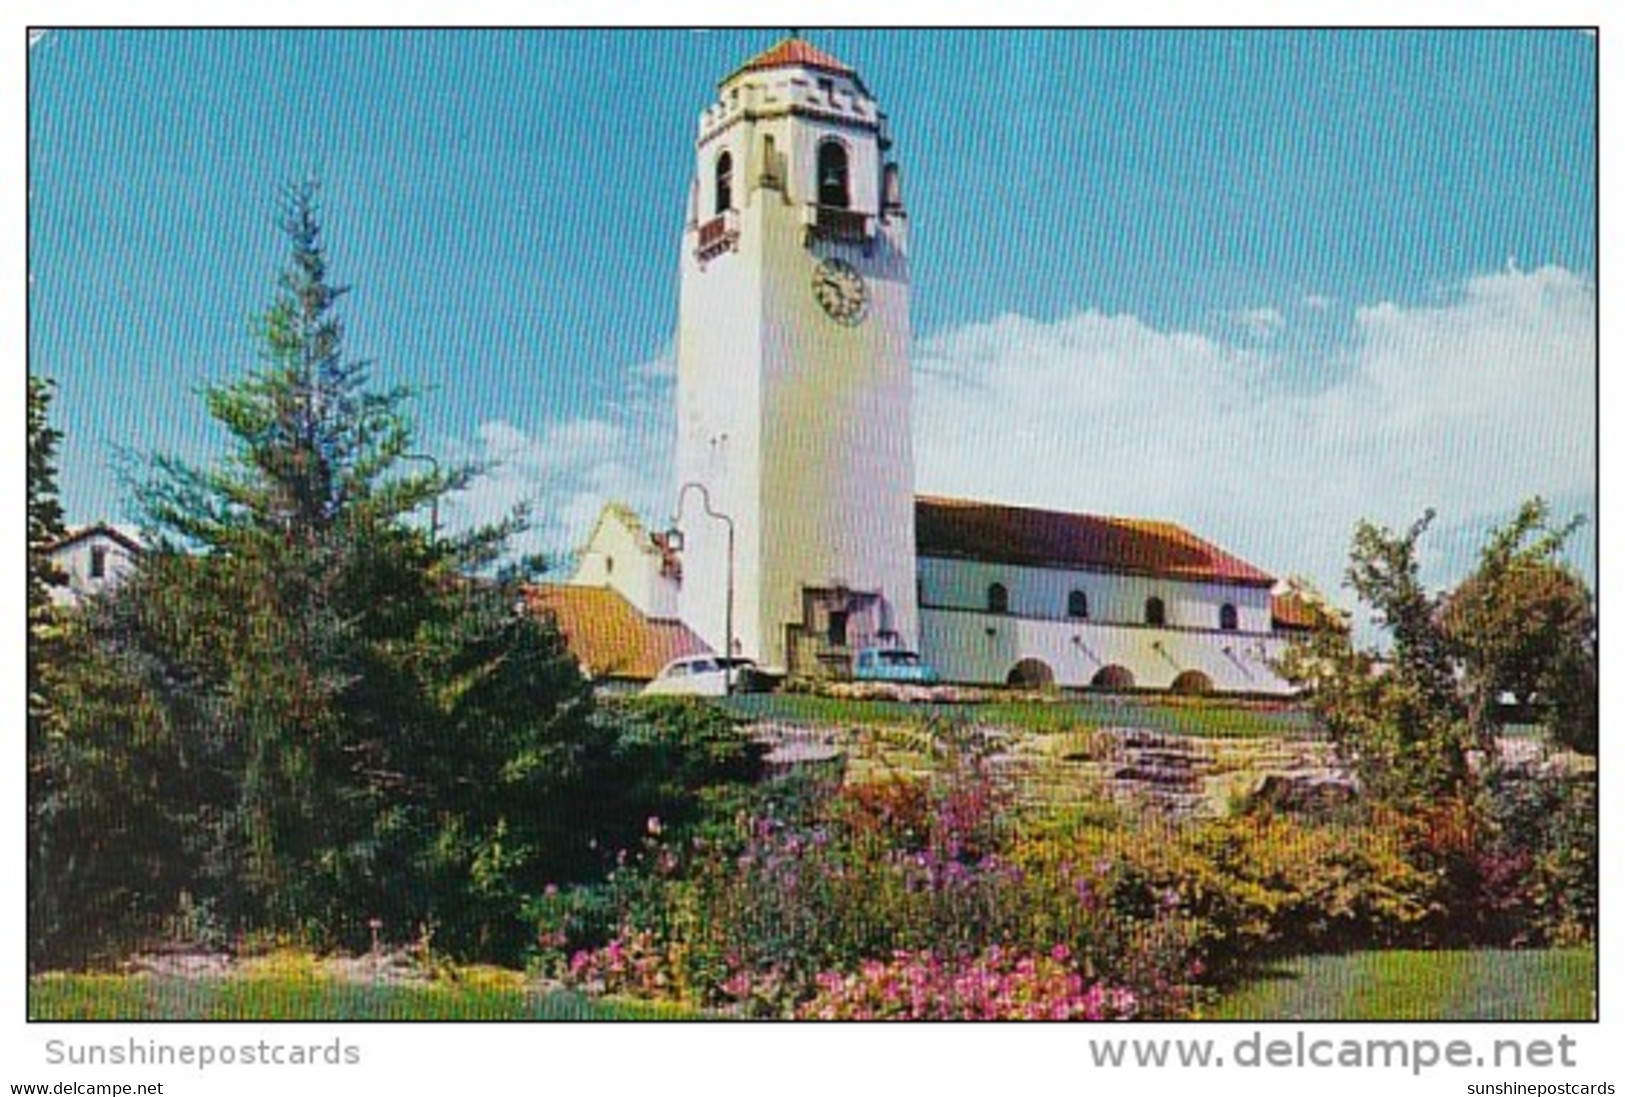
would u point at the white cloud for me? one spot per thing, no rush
(1317, 301)
(566, 470)
(1261, 323)
(1468, 405)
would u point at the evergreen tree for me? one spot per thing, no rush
(45, 529)
(336, 714)
(45, 526)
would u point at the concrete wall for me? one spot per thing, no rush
(620, 555)
(981, 648)
(1113, 598)
(968, 644)
(75, 560)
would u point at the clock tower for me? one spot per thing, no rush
(793, 384)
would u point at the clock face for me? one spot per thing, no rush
(841, 290)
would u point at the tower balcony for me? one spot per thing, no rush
(841, 225)
(718, 235)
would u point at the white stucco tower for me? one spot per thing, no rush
(793, 392)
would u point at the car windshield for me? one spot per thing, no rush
(690, 666)
(900, 658)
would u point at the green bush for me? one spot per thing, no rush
(1247, 886)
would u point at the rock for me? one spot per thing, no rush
(1312, 793)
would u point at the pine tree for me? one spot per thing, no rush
(357, 721)
(45, 526)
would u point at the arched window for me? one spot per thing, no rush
(1113, 678)
(1227, 618)
(1155, 612)
(725, 182)
(1030, 674)
(998, 598)
(832, 176)
(1077, 604)
(1192, 682)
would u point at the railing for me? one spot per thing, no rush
(717, 235)
(847, 226)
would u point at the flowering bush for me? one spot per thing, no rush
(995, 985)
(765, 918)
(933, 897)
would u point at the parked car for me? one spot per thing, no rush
(705, 676)
(893, 665)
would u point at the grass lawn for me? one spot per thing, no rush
(1219, 719)
(1480, 985)
(142, 997)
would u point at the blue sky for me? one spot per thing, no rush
(1259, 283)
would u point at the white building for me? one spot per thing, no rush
(91, 560)
(800, 537)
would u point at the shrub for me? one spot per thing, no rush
(766, 918)
(1245, 886)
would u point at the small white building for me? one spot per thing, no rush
(92, 559)
(801, 540)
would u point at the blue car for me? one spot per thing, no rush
(893, 665)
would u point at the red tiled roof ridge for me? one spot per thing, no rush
(794, 51)
(983, 504)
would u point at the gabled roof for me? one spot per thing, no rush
(100, 529)
(608, 636)
(794, 52)
(963, 529)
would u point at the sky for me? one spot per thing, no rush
(1263, 284)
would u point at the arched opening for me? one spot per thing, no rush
(1031, 674)
(725, 182)
(832, 176)
(1077, 604)
(1114, 678)
(1227, 617)
(998, 598)
(1192, 682)
(1155, 612)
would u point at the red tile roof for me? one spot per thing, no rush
(1043, 538)
(795, 51)
(608, 636)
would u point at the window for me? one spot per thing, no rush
(1077, 604)
(725, 182)
(998, 598)
(832, 176)
(837, 628)
(609, 565)
(98, 561)
(1227, 617)
(1155, 612)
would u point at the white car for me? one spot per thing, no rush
(702, 676)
